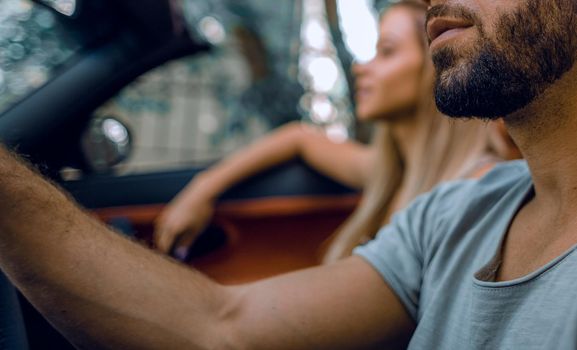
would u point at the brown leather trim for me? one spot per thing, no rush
(249, 208)
(265, 236)
(281, 206)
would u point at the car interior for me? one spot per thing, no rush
(276, 222)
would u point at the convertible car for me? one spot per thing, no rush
(273, 223)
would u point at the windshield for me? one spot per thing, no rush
(33, 45)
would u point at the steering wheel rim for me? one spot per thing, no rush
(12, 330)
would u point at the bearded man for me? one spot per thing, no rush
(487, 264)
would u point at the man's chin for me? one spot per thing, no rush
(467, 106)
(455, 101)
(479, 87)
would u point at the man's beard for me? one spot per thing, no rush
(534, 47)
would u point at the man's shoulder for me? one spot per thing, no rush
(506, 173)
(501, 178)
(451, 199)
(450, 204)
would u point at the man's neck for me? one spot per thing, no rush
(546, 133)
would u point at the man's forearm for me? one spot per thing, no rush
(98, 288)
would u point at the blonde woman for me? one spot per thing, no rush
(413, 147)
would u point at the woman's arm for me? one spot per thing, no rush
(191, 210)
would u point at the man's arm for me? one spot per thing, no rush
(104, 291)
(345, 305)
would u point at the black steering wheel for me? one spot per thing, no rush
(12, 331)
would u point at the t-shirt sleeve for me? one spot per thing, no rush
(397, 252)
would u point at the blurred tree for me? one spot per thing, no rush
(33, 45)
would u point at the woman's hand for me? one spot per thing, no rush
(180, 223)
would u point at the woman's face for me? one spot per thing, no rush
(388, 86)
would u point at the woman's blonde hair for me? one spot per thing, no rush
(448, 149)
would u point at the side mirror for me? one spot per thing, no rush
(204, 19)
(106, 142)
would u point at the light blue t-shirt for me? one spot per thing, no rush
(440, 256)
